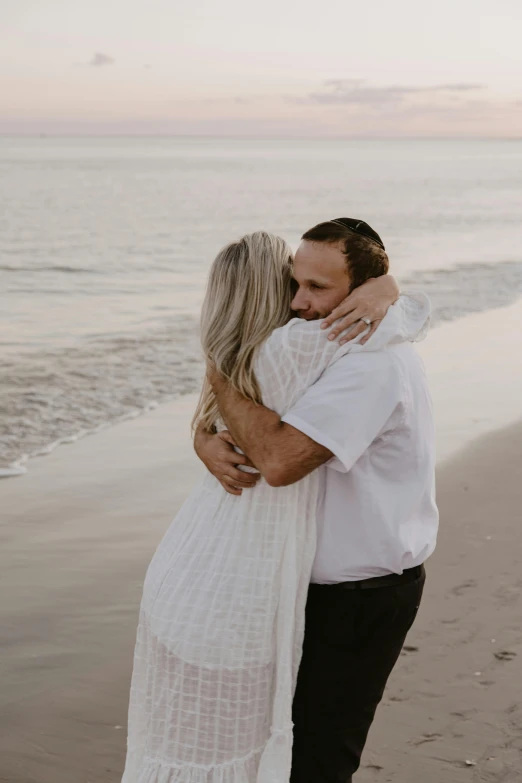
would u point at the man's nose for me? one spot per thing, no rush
(300, 300)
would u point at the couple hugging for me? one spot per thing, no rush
(278, 601)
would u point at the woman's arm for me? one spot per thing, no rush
(371, 300)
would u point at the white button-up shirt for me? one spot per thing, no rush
(377, 512)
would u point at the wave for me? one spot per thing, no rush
(57, 396)
(52, 268)
(51, 397)
(468, 288)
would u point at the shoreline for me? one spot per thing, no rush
(453, 348)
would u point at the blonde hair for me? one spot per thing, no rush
(248, 296)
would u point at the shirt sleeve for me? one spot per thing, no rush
(349, 406)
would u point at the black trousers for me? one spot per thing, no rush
(353, 638)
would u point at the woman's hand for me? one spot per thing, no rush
(371, 300)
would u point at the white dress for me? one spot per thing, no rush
(221, 620)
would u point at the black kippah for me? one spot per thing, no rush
(360, 227)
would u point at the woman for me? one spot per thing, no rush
(222, 616)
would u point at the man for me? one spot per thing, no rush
(369, 420)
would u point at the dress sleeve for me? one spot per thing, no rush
(292, 359)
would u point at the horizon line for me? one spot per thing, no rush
(249, 137)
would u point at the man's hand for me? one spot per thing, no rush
(371, 300)
(220, 458)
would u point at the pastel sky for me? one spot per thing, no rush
(264, 68)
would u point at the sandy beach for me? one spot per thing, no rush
(78, 531)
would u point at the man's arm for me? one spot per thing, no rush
(340, 415)
(281, 453)
(274, 456)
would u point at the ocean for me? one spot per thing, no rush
(105, 245)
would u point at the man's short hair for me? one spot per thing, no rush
(364, 257)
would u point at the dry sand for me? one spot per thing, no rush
(77, 532)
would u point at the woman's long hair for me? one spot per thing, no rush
(248, 296)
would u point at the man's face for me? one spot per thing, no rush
(322, 279)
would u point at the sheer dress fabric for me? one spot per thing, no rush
(221, 620)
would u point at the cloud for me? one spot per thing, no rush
(354, 107)
(354, 92)
(98, 60)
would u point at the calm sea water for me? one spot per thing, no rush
(105, 244)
